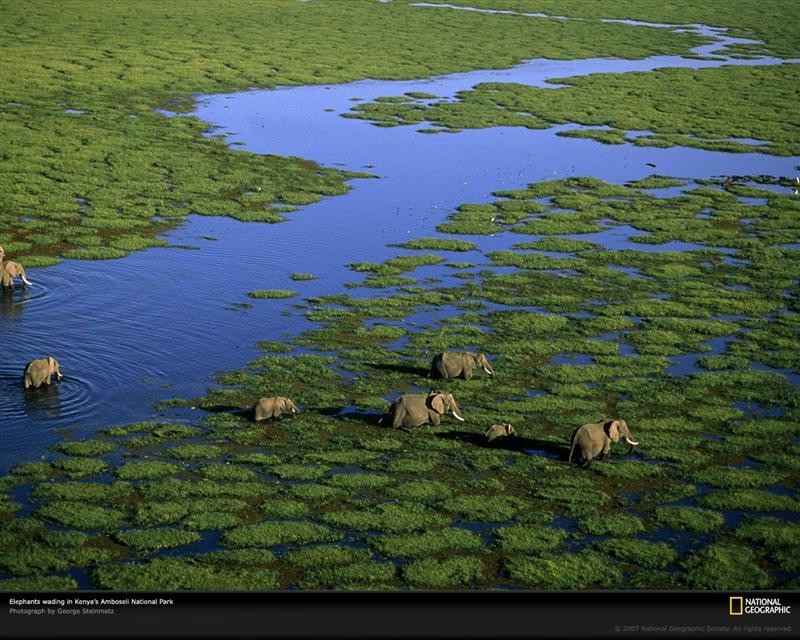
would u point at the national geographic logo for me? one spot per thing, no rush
(739, 606)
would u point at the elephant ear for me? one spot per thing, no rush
(613, 430)
(51, 363)
(437, 403)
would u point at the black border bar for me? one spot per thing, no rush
(453, 614)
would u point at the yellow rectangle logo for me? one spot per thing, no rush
(737, 605)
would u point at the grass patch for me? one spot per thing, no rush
(173, 574)
(688, 519)
(723, 566)
(273, 533)
(146, 470)
(564, 571)
(528, 538)
(415, 545)
(147, 540)
(88, 448)
(263, 294)
(441, 574)
(644, 554)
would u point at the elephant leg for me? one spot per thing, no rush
(467, 373)
(397, 419)
(434, 418)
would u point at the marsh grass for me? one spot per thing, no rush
(436, 498)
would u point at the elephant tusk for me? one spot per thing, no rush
(630, 442)
(458, 417)
(25, 280)
(489, 371)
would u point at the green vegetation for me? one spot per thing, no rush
(762, 21)
(564, 571)
(430, 542)
(438, 244)
(722, 566)
(442, 574)
(146, 540)
(85, 448)
(273, 533)
(649, 101)
(263, 294)
(688, 519)
(170, 574)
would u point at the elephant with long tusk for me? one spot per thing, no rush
(414, 409)
(10, 270)
(597, 437)
(39, 372)
(452, 364)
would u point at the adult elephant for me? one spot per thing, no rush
(414, 409)
(39, 372)
(452, 364)
(10, 270)
(273, 407)
(597, 437)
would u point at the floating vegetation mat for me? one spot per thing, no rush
(576, 332)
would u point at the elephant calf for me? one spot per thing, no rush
(414, 409)
(498, 433)
(273, 407)
(597, 437)
(452, 364)
(39, 372)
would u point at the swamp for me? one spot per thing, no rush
(217, 203)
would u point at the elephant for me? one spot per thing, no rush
(273, 408)
(10, 270)
(498, 433)
(451, 364)
(414, 409)
(38, 372)
(597, 437)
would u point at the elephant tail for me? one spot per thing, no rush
(571, 450)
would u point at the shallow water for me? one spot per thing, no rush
(158, 323)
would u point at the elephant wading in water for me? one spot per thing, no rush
(452, 364)
(39, 372)
(273, 408)
(414, 409)
(597, 437)
(10, 270)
